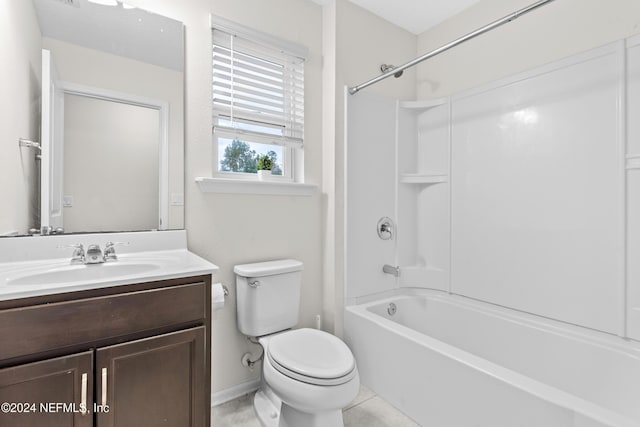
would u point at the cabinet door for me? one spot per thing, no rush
(153, 382)
(49, 393)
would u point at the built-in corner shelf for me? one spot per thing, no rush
(240, 186)
(423, 105)
(421, 276)
(633, 161)
(423, 178)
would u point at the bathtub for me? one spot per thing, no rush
(449, 361)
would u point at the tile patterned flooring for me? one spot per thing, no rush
(366, 410)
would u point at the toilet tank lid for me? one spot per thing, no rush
(268, 268)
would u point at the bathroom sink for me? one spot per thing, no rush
(53, 275)
(41, 265)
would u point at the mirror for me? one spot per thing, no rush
(111, 156)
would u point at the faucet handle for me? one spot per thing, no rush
(110, 250)
(78, 252)
(116, 244)
(385, 228)
(74, 246)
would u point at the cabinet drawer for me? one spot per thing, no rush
(46, 327)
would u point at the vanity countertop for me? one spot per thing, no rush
(41, 275)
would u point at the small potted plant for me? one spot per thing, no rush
(264, 165)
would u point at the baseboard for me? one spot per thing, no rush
(223, 396)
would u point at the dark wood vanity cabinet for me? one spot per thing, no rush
(133, 355)
(29, 393)
(153, 381)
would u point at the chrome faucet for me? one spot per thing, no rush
(78, 256)
(94, 255)
(385, 228)
(390, 269)
(110, 250)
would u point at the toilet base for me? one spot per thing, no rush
(291, 417)
(271, 412)
(267, 407)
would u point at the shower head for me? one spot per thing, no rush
(388, 67)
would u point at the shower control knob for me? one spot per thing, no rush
(385, 228)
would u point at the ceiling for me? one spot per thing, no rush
(415, 16)
(119, 30)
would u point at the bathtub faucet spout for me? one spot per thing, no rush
(390, 269)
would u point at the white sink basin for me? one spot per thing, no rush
(80, 273)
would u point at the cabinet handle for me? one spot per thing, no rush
(104, 387)
(83, 395)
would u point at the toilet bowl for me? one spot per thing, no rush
(308, 375)
(314, 375)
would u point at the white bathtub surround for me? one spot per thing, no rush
(443, 352)
(537, 190)
(524, 194)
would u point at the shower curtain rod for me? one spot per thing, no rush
(354, 89)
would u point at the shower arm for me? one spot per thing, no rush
(355, 89)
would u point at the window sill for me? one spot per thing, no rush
(237, 186)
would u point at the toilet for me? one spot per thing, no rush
(308, 375)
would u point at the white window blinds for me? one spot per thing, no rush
(258, 91)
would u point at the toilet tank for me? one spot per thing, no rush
(268, 296)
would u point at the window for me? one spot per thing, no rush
(258, 102)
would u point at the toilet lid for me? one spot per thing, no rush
(312, 356)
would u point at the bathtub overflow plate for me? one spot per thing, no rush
(391, 309)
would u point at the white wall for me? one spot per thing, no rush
(555, 31)
(20, 68)
(230, 229)
(238, 229)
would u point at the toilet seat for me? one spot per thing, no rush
(312, 356)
